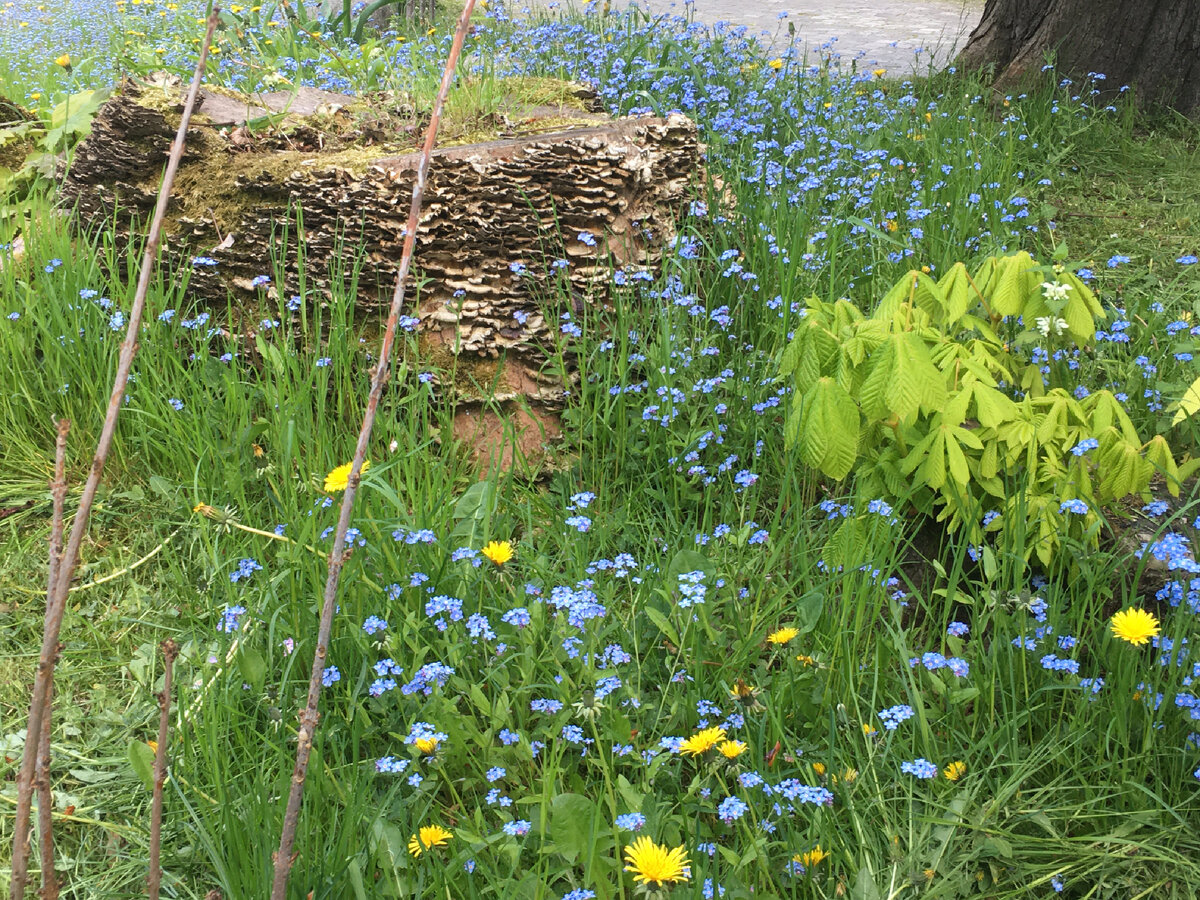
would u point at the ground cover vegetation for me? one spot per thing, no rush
(865, 573)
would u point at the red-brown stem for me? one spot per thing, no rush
(56, 599)
(169, 651)
(41, 777)
(308, 718)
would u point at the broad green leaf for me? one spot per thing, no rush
(956, 288)
(1081, 323)
(73, 118)
(914, 362)
(829, 429)
(252, 667)
(908, 368)
(993, 408)
(895, 298)
(141, 758)
(872, 396)
(1189, 404)
(927, 297)
(955, 410)
(474, 511)
(1106, 411)
(572, 824)
(1158, 454)
(1007, 297)
(1084, 293)
(687, 561)
(955, 459)
(808, 610)
(663, 624)
(864, 887)
(933, 468)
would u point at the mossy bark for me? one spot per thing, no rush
(497, 215)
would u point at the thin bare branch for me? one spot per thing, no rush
(309, 716)
(170, 650)
(58, 494)
(57, 596)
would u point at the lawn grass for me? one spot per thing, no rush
(680, 571)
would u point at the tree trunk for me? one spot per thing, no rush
(1151, 45)
(499, 232)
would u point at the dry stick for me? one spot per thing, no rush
(308, 718)
(57, 596)
(169, 650)
(58, 494)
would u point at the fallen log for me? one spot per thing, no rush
(553, 200)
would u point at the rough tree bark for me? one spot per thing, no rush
(1151, 45)
(497, 215)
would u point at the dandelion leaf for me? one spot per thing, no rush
(573, 825)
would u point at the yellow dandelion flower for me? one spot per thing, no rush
(847, 777)
(498, 552)
(869, 730)
(702, 741)
(731, 749)
(653, 863)
(782, 636)
(339, 478)
(806, 660)
(1135, 626)
(742, 691)
(955, 770)
(879, 73)
(430, 836)
(810, 858)
(427, 745)
(776, 64)
(64, 61)
(153, 745)
(819, 768)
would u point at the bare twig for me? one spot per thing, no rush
(169, 650)
(57, 595)
(58, 494)
(309, 716)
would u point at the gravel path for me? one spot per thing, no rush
(884, 34)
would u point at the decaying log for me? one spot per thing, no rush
(499, 233)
